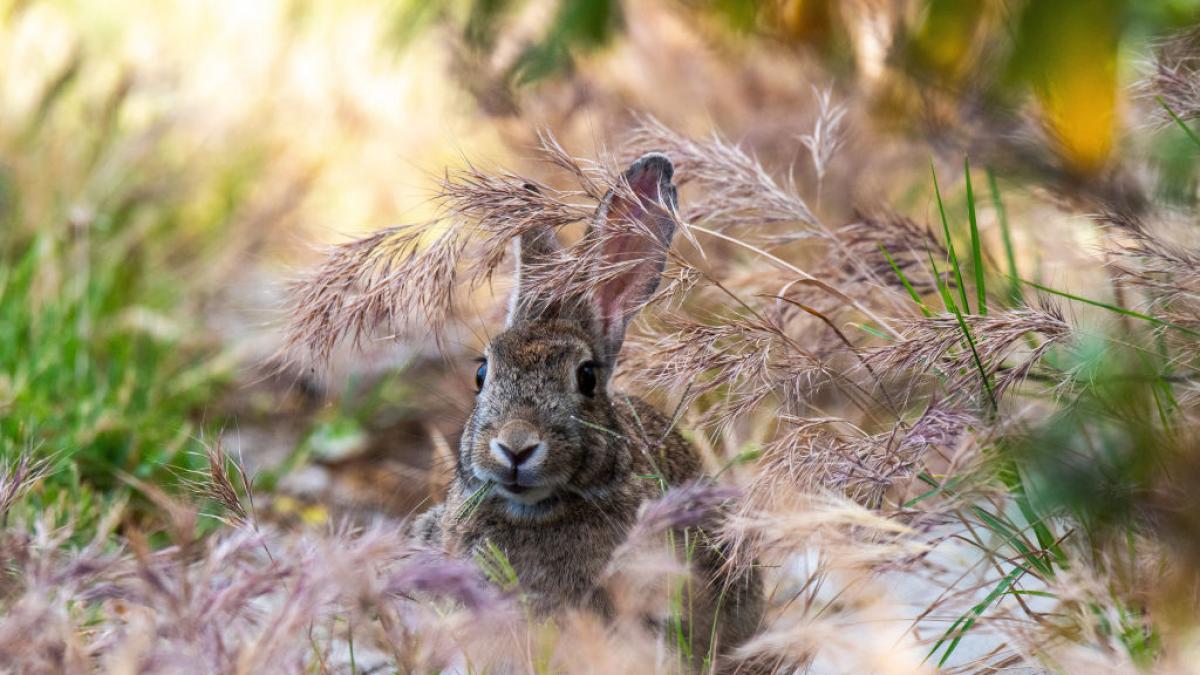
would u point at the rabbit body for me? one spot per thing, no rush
(558, 557)
(552, 466)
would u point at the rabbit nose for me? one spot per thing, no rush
(516, 444)
(517, 458)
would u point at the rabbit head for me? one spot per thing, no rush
(543, 428)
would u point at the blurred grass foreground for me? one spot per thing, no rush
(933, 315)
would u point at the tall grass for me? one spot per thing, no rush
(100, 369)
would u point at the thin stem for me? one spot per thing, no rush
(792, 268)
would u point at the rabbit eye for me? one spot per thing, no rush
(480, 375)
(585, 376)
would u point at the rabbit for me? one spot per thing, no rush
(558, 445)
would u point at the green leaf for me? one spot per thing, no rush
(1182, 125)
(904, 280)
(968, 620)
(948, 299)
(1014, 279)
(958, 279)
(976, 245)
(1112, 308)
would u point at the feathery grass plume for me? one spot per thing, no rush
(1156, 261)
(18, 475)
(585, 643)
(572, 272)
(218, 483)
(1170, 273)
(1093, 621)
(862, 630)
(593, 178)
(937, 344)
(349, 293)
(832, 549)
(404, 280)
(745, 359)
(37, 633)
(647, 574)
(737, 189)
(221, 605)
(432, 573)
(826, 136)
(833, 455)
(642, 554)
(500, 208)
(1173, 83)
(866, 238)
(681, 507)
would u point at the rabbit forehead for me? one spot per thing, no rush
(536, 345)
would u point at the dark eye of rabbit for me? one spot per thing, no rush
(481, 375)
(586, 378)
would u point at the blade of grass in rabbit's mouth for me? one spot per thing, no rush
(474, 500)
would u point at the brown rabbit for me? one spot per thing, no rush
(558, 447)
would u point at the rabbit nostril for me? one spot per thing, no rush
(519, 457)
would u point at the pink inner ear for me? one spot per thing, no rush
(612, 293)
(645, 185)
(628, 238)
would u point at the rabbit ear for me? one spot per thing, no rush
(534, 249)
(633, 230)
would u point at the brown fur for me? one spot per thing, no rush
(559, 517)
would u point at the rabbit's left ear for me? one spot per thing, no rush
(535, 249)
(632, 230)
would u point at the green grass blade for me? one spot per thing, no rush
(1112, 308)
(350, 646)
(968, 620)
(1182, 125)
(976, 245)
(1014, 278)
(948, 299)
(472, 502)
(962, 290)
(1010, 475)
(743, 457)
(496, 566)
(987, 384)
(871, 330)
(1011, 536)
(936, 489)
(945, 636)
(904, 280)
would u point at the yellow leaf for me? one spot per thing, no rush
(314, 515)
(1068, 51)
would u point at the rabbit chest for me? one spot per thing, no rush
(560, 563)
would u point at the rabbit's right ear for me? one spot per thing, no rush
(534, 250)
(632, 231)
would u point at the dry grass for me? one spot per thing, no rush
(923, 400)
(860, 421)
(1172, 81)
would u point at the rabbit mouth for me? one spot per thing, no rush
(515, 488)
(527, 495)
